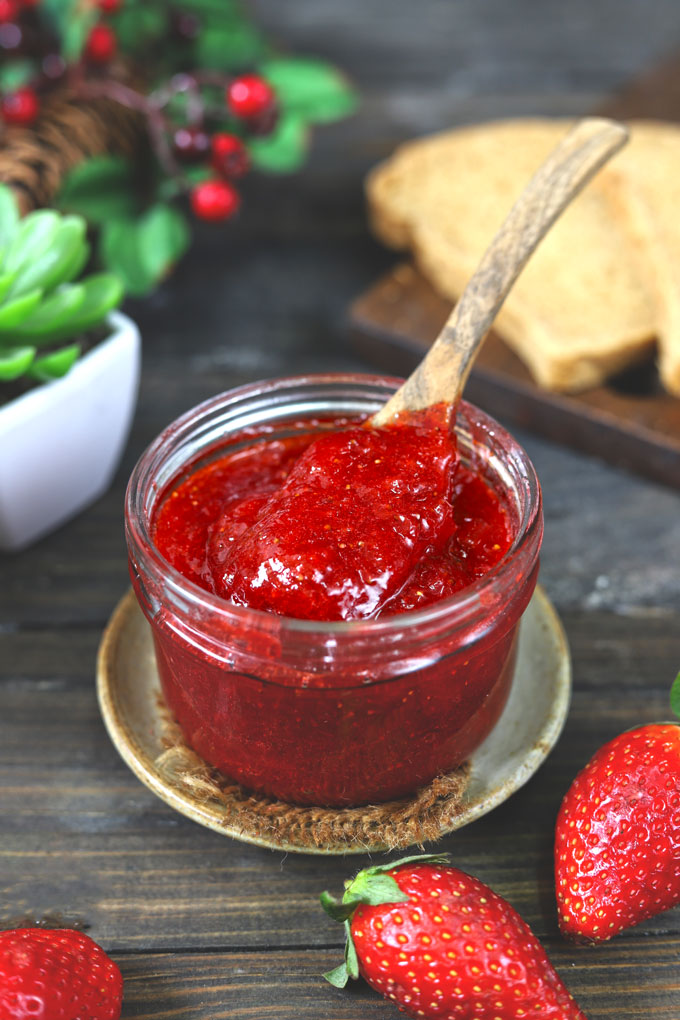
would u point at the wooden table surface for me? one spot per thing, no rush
(204, 927)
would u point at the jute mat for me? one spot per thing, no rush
(393, 825)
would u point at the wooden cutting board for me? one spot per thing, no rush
(631, 421)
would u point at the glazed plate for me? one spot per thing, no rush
(128, 689)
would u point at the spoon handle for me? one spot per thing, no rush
(441, 375)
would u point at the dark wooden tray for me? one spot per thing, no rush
(630, 421)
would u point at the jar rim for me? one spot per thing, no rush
(464, 603)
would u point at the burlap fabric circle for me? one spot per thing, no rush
(393, 825)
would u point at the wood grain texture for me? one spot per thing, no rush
(188, 913)
(280, 985)
(443, 372)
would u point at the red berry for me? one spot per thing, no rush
(20, 107)
(8, 10)
(439, 943)
(56, 975)
(109, 6)
(214, 200)
(191, 143)
(229, 155)
(249, 96)
(101, 44)
(617, 840)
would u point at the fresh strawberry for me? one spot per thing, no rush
(617, 846)
(56, 975)
(439, 943)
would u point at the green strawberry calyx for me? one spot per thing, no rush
(372, 887)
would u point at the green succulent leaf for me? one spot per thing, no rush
(15, 312)
(284, 150)
(312, 89)
(51, 264)
(9, 218)
(103, 292)
(675, 696)
(53, 313)
(31, 237)
(15, 362)
(54, 365)
(6, 281)
(101, 188)
(15, 74)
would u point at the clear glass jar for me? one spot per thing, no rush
(340, 713)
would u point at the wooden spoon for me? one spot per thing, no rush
(441, 375)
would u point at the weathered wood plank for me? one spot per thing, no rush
(606, 982)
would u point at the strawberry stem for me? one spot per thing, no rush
(372, 887)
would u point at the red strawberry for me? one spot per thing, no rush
(441, 944)
(617, 847)
(56, 975)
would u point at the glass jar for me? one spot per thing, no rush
(340, 713)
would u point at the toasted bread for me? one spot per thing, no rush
(581, 309)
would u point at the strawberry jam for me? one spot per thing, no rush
(334, 607)
(359, 522)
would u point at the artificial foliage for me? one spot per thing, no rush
(215, 99)
(45, 304)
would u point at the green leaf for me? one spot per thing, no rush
(14, 312)
(121, 253)
(51, 265)
(139, 24)
(380, 869)
(338, 977)
(675, 696)
(9, 217)
(54, 312)
(313, 89)
(142, 251)
(336, 909)
(284, 150)
(103, 292)
(75, 31)
(31, 237)
(163, 238)
(101, 188)
(6, 281)
(227, 46)
(220, 9)
(16, 74)
(55, 365)
(373, 889)
(15, 362)
(351, 959)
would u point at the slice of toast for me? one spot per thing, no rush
(581, 309)
(644, 180)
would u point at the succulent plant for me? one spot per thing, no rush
(43, 309)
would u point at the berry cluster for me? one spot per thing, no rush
(250, 106)
(251, 100)
(18, 30)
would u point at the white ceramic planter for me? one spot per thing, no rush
(60, 443)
